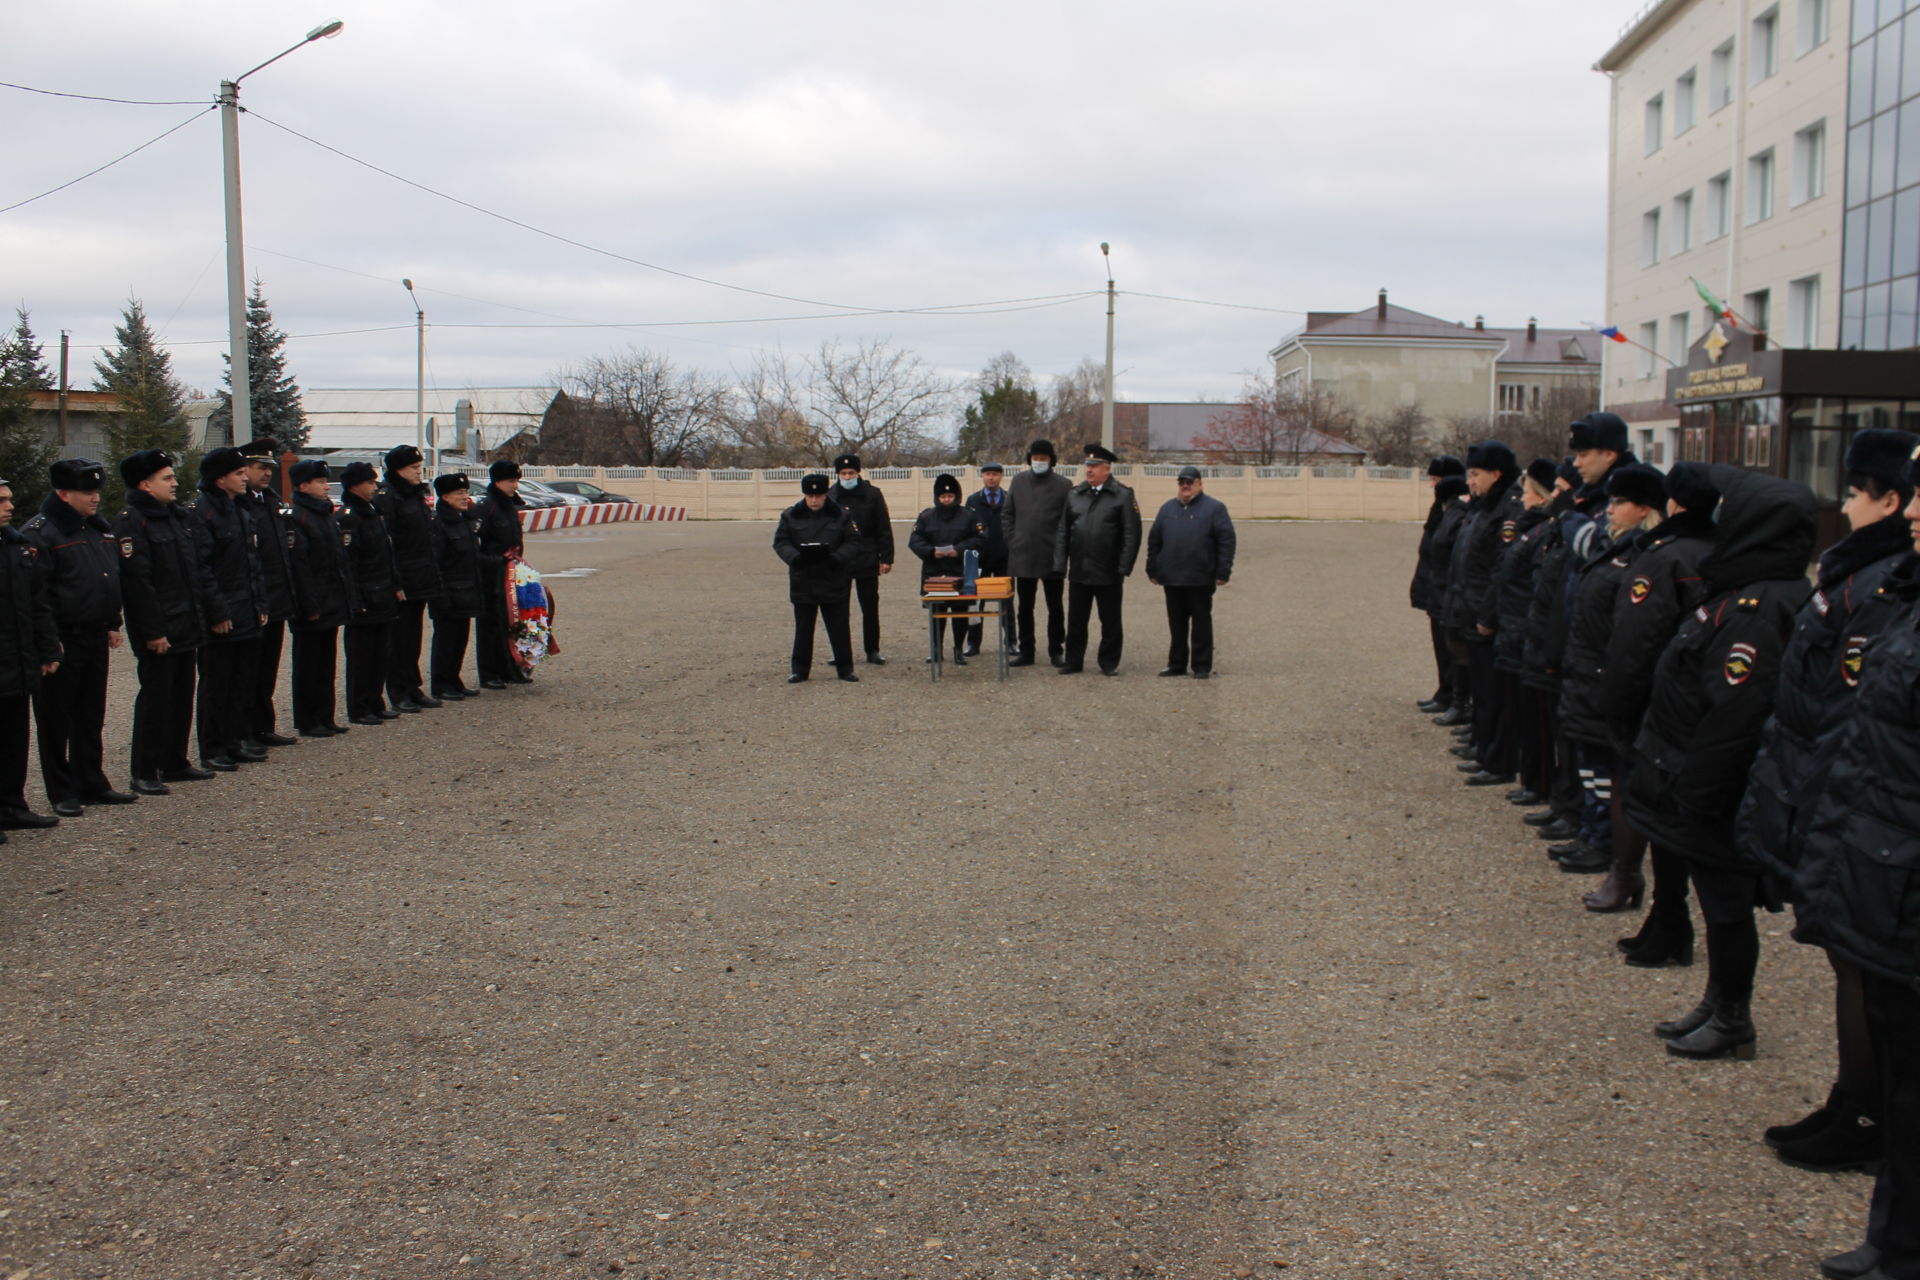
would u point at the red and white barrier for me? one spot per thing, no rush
(597, 513)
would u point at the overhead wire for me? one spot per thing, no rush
(94, 97)
(1208, 302)
(109, 164)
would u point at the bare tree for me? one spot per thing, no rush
(765, 425)
(1276, 422)
(1004, 414)
(1542, 431)
(1461, 432)
(876, 400)
(634, 408)
(1072, 393)
(1397, 438)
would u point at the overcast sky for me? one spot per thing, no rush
(1290, 156)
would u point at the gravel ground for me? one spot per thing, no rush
(662, 967)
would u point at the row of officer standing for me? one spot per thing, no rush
(1648, 654)
(1074, 545)
(205, 593)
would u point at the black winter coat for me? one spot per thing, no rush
(1665, 585)
(28, 638)
(81, 562)
(1596, 586)
(375, 584)
(1035, 506)
(456, 559)
(1860, 861)
(233, 563)
(866, 506)
(1446, 493)
(500, 535)
(993, 553)
(165, 589)
(1818, 676)
(821, 549)
(273, 539)
(1439, 554)
(409, 518)
(1544, 649)
(1713, 687)
(1191, 544)
(956, 526)
(1099, 536)
(1513, 578)
(1495, 528)
(322, 571)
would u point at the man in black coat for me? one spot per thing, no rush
(1492, 477)
(82, 566)
(1429, 574)
(1036, 503)
(323, 601)
(1095, 547)
(1190, 555)
(1457, 508)
(171, 606)
(402, 501)
(989, 508)
(456, 557)
(273, 538)
(232, 652)
(29, 653)
(501, 537)
(820, 546)
(376, 597)
(866, 507)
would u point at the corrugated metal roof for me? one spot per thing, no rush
(1400, 322)
(1574, 348)
(379, 417)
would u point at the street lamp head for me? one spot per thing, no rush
(326, 32)
(407, 285)
(1103, 246)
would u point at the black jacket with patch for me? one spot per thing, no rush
(956, 526)
(322, 572)
(820, 549)
(375, 583)
(1099, 536)
(82, 566)
(165, 588)
(1664, 586)
(29, 639)
(233, 563)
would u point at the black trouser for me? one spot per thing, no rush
(15, 712)
(316, 663)
(266, 680)
(1190, 611)
(226, 690)
(1534, 710)
(70, 709)
(490, 653)
(839, 634)
(1893, 1221)
(1081, 598)
(162, 712)
(367, 645)
(1565, 778)
(1486, 696)
(1025, 589)
(448, 654)
(1727, 900)
(1502, 751)
(1444, 691)
(868, 589)
(403, 654)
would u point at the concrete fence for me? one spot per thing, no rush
(1292, 493)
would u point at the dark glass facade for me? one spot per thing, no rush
(1880, 255)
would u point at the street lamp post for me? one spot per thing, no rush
(240, 372)
(420, 379)
(1106, 399)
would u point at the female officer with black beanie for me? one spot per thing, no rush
(941, 537)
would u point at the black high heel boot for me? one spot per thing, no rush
(1690, 1021)
(1728, 1033)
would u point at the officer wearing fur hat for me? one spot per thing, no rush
(376, 597)
(500, 536)
(1036, 503)
(232, 651)
(82, 566)
(323, 601)
(1492, 475)
(1513, 582)
(866, 507)
(456, 557)
(402, 501)
(273, 536)
(820, 546)
(941, 537)
(1095, 547)
(1598, 443)
(29, 653)
(1427, 573)
(170, 604)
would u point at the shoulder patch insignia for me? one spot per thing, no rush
(1820, 604)
(1639, 589)
(1852, 659)
(1507, 531)
(126, 547)
(1740, 659)
(1701, 614)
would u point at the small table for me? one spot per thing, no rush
(942, 609)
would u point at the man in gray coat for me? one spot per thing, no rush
(1030, 521)
(1096, 546)
(1189, 555)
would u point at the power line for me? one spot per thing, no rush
(94, 97)
(822, 315)
(221, 342)
(109, 164)
(1207, 302)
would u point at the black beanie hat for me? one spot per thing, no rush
(1446, 465)
(1639, 483)
(404, 455)
(944, 483)
(1691, 485)
(451, 483)
(1542, 472)
(1881, 455)
(505, 469)
(1598, 430)
(1492, 455)
(221, 462)
(1042, 448)
(815, 483)
(357, 473)
(148, 462)
(307, 469)
(77, 475)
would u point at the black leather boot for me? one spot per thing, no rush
(1811, 1123)
(1854, 1142)
(1728, 1033)
(1690, 1021)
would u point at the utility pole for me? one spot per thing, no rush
(420, 380)
(1106, 402)
(63, 388)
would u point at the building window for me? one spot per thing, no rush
(1513, 397)
(1649, 237)
(1656, 111)
(1803, 313)
(1719, 205)
(1757, 309)
(1649, 344)
(1763, 50)
(1681, 236)
(1720, 78)
(1678, 337)
(1760, 187)
(1812, 25)
(1810, 163)
(1683, 87)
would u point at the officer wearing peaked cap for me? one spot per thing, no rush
(501, 536)
(402, 501)
(228, 660)
(323, 601)
(82, 567)
(1096, 546)
(273, 537)
(456, 556)
(376, 597)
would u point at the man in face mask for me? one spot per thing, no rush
(1029, 521)
(867, 507)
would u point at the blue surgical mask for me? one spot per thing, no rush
(849, 484)
(1040, 467)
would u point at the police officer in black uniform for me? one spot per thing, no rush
(376, 597)
(170, 605)
(866, 506)
(323, 601)
(232, 653)
(403, 505)
(1096, 546)
(820, 546)
(456, 559)
(82, 566)
(29, 653)
(941, 537)
(273, 538)
(501, 536)
(989, 506)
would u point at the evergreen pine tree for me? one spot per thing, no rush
(25, 449)
(275, 398)
(138, 371)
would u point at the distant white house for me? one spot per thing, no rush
(469, 421)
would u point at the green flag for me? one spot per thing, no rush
(1719, 308)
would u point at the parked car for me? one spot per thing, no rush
(591, 492)
(534, 489)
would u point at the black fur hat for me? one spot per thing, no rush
(1492, 455)
(505, 469)
(815, 483)
(221, 462)
(1639, 483)
(1446, 465)
(402, 456)
(1598, 430)
(451, 483)
(847, 462)
(357, 473)
(77, 475)
(308, 469)
(1691, 485)
(944, 483)
(148, 462)
(1542, 472)
(1882, 455)
(1042, 447)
